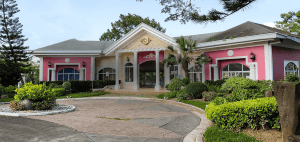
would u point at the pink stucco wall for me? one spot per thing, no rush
(54, 60)
(259, 58)
(141, 56)
(280, 54)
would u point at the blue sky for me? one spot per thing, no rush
(47, 22)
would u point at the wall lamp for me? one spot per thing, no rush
(127, 59)
(49, 64)
(83, 63)
(252, 56)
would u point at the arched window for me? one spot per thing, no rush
(173, 71)
(236, 69)
(68, 74)
(290, 68)
(129, 72)
(195, 73)
(107, 74)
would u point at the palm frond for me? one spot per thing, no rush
(171, 48)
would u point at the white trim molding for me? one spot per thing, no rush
(268, 62)
(78, 64)
(288, 61)
(41, 69)
(253, 67)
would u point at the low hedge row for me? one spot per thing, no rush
(250, 113)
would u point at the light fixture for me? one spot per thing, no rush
(252, 56)
(83, 63)
(209, 59)
(127, 59)
(49, 64)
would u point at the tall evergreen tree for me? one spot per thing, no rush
(290, 22)
(14, 57)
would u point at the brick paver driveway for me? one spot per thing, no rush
(107, 120)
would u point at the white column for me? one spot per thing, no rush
(81, 74)
(53, 75)
(216, 73)
(117, 86)
(179, 65)
(41, 69)
(135, 68)
(157, 86)
(252, 72)
(92, 68)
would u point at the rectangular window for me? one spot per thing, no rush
(128, 74)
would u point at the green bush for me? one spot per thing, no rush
(220, 101)
(292, 78)
(10, 91)
(245, 94)
(167, 86)
(170, 95)
(59, 91)
(186, 81)
(213, 87)
(161, 96)
(195, 90)
(81, 86)
(208, 96)
(42, 94)
(181, 95)
(1, 89)
(59, 86)
(175, 84)
(67, 85)
(215, 134)
(52, 85)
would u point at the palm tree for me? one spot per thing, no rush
(187, 47)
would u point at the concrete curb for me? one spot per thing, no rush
(194, 136)
(38, 113)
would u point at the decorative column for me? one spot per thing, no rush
(81, 75)
(41, 69)
(157, 86)
(117, 86)
(216, 73)
(179, 65)
(135, 68)
(252, 72)
(92, 68)
(53, 75)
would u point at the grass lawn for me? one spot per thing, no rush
(83, 94)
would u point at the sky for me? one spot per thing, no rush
(46, 22)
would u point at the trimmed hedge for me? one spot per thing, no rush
(195, 90)
(247, 113)
(59, 91)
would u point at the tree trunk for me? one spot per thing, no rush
(185, 68)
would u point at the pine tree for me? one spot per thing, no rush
(14, 57)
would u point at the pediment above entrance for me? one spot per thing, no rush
(146, 41)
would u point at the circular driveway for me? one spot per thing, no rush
(107, 120)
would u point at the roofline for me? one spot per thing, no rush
(67, 54)
(141, 26)
(237, 40)
(68, 51)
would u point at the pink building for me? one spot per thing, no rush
(249, 50)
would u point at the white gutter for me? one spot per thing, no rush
(227, 42)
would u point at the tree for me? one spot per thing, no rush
(186, 46)
(32, 76)
(290, 22)
(185, 10)
(13, 54)
(125, 24)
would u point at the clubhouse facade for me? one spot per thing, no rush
(134, 61)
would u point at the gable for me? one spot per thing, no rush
(153, 42)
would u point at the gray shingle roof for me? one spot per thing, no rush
(247, 29)
(74, 44)
(198, 37)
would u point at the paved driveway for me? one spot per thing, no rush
(97, 120)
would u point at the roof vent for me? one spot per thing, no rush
(294, 33)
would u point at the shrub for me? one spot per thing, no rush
(220, 101)
(170, 95)
(81, 86)
(292, 78)
(42, 94)
(167, 86)
(195, 90)
(175, 84)
(67, 85)
(208, 96)
(59, 91)
(186, 81)
(1, 89)
(213, 88)
(52, 85)
(161, 96)
(10, 91)
(14, 105)
(59, 86)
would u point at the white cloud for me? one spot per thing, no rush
(270, 24)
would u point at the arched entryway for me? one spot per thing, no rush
(147, 74)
